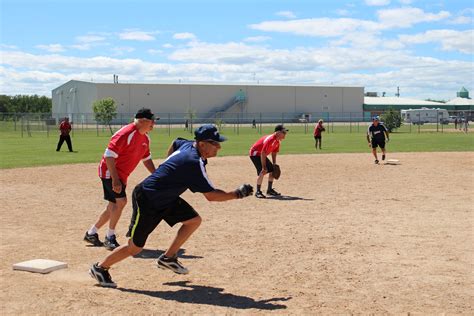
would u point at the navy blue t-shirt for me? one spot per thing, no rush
(377, 132)
(183, 169)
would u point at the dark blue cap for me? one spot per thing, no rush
(208, 132)
(376, 118)
(145, 113)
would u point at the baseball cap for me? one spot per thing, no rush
(376, 118)
(146, 113)
(281, 128)
(208, 132)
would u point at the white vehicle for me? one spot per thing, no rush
(425, 115)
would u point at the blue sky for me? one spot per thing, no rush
(424, 47)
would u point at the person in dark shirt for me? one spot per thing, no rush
(377, 134)
(64, 129)
(158, 198)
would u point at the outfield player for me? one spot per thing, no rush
(377, 134)
(318, 130)
(127, 147)
(64, 130)
(158, 198)
(266, 145)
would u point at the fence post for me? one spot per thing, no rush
(169, 124)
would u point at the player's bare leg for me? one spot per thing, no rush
(383, 153)
(374, 152)
(185, 231)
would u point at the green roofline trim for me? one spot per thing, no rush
(384, 107)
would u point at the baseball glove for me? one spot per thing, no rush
(276, 172)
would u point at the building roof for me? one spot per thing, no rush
(395, 101)
(460, 101)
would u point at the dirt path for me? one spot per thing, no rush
(350, 237)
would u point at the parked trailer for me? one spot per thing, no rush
(425, 115)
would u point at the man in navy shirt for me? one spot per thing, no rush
(158, 198)
(376, 136)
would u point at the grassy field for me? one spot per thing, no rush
(39, 148)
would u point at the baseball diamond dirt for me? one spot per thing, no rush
(348, 236)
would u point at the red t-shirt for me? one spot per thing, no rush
(267, 144)
(318, 130)
(128, 147)
(65, 128)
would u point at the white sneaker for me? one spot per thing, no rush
(172, 264)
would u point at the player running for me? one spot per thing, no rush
(377, 134)
(158, 198)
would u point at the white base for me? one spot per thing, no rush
(392, 162)
(39, 265)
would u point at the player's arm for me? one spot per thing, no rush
(368, 139)
(220, 196)
(149, 165)
(263, 160)
(387, 137)
(116, 184)
(170, 149)
(274, 157)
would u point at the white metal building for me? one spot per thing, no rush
(78, 96)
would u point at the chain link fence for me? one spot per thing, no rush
(27, 124)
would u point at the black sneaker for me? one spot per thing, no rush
(383, 157)
(102, 276)
(93, 239)
(273, 192)
(376, 162)
(172, 264)
(260, 195)
(111, 242)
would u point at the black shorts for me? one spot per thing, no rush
(257, 162)
(109, 194)
(317, 137)
(380, 143)
(149, 217)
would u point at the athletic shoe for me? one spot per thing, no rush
(93, 239)
(129, 233)
(376, 162)
(172, 264)
(383, 157)
(101, 275)
(273, 192)
(111, 242)
(260, 195)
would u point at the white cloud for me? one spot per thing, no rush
(82, 46)
(52, 48)
(8, 46)
(406, 17)
(450, 40)
(122, 50)
(377, 2)
(184, 36)
(322, 27)
(286, 14)
(256, 39)
(132, 35)
(343, 12)
(406, 2)
(90, 38)
(168, 45)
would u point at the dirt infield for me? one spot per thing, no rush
(349, 237)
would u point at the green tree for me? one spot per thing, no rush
(105, 111)
(391, 119)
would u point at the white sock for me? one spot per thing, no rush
(92, 230)
(110, 232)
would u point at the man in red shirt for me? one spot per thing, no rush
(64, 129)
(318, 130)
(127, 147)
(268, 144)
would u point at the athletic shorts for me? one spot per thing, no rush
(149, 217)
(376, 143)
(109, 194)
(317, 137)
(257, 162)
